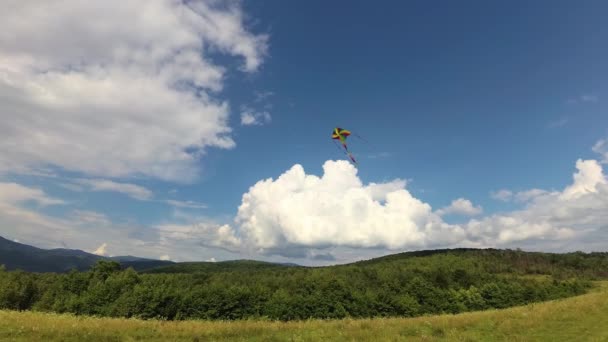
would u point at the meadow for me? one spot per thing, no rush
(580, 318)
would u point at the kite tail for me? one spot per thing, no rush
(350, 155)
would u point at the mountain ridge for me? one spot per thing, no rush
(20, 256)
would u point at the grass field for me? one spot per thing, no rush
(582, 318)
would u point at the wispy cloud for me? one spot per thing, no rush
(186, 204)
(131, 190)
(584, 98)
(261, 96)
(502, 195)
(251, 117)
(13, 193)
(88, 217)
(558, 123)
(601, 148)
(519, 196)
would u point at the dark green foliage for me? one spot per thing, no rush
(409, 284)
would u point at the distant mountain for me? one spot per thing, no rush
(14, 255)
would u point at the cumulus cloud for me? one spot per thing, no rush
(116, 90)
(251, 117)
(461, 206)
(164, 257)
(336, 209)
(299, 213)
(131, 190)
(587, 180)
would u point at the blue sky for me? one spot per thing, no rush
(457, 100)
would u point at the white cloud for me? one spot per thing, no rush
(251, 117)
(164, 257)
(131, 190)
(202, 234)
(300, 210)
(101, 250)
(461, 206)
(502, 195)
(297, 213)
(586, 180)
(601, 148)
(579, 211)
(13, 193)
(529, 195)
(113, 89)
(520, 196)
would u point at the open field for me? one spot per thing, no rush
(579, 318)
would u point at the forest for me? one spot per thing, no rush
(399, 285)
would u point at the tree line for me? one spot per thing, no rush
(450, 282)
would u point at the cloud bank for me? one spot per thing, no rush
(298, 211)
(334, 217)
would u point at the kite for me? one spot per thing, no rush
(341, 134)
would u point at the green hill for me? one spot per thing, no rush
(406, 284)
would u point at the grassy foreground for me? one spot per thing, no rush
(581, 318)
